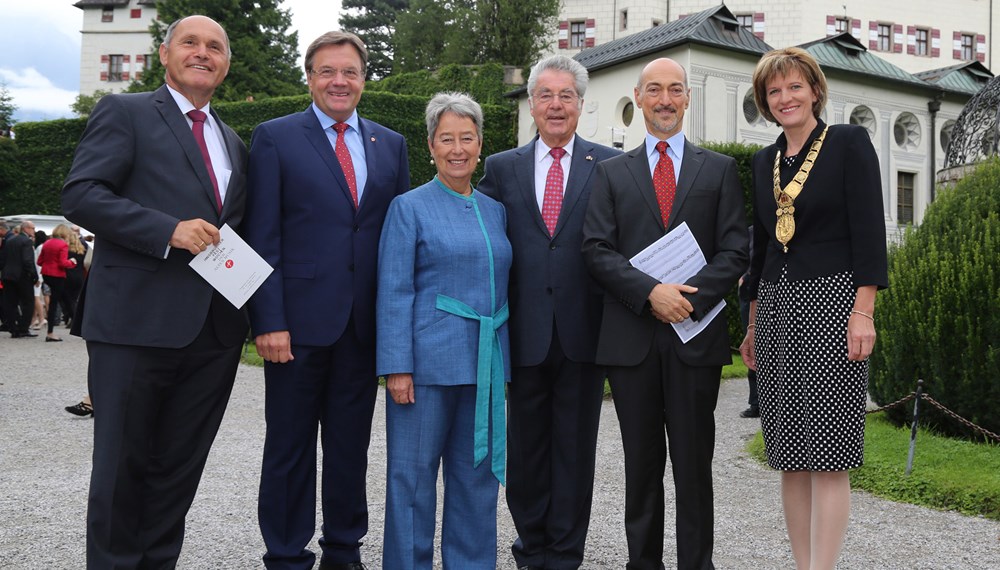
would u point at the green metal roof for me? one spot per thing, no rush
(968, 77)
(713, 27)
(844, 52)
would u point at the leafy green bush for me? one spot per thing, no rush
(743, 153)
(940, 318)
(33, 167)
(483, 82)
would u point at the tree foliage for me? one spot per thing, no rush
(432, 33)
(374, 21)
(84, 104)
(264, 51)
(509, 32)
(7, 108)
(939, 320)
(515, 32)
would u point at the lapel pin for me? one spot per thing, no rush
(588, 157)
(373, 139)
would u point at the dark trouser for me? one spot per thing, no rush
(332, 388)
(57, 289)
(554, 412)
(664, 392)
(751, 374)
(160, 410)
(19, 304)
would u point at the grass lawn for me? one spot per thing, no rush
(949, 474)
(250, 355)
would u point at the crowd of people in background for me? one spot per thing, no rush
(495, 313)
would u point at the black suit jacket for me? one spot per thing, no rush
(19, 259)
(839, 216)
(137, 172)
(549, 282)
(623, 218)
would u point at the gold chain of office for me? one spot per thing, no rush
(784, 228)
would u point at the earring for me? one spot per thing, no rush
(478, 159)
(432, 162)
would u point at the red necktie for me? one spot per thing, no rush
(664, 183)
(198, 128)
(346, 164)
(552, 199)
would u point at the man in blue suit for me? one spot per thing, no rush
(319, 185)
(556, 389)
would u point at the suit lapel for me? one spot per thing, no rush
(524, 171)
(371, 143)
(638, 166)
(178, 124)
(691, 164)
(321, 144)
(234, 188)
(581, 167)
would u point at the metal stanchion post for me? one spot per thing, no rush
(913, 430)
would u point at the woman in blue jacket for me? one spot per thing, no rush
(442, 345)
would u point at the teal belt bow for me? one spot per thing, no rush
(489, 383)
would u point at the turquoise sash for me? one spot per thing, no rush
(490, 395)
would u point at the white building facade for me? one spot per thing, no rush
(896, 110)
(116, 43)
(916, 35)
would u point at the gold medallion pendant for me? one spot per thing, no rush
(784, 229)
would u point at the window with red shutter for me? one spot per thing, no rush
(897, 38)
(590, 33)
(564, 34)
(758, 24)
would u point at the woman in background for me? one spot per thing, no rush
(818, 259)
(54, 260)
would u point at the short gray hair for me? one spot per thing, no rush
(559, 63)
(460, 104)
(170, 34)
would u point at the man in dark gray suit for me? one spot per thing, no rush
(19, 274)
(658, 382)
(154, 177)
(556, 389)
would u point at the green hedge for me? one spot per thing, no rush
(940, 318)
(743, 153)
(33, 168)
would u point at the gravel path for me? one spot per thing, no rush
(45, 468)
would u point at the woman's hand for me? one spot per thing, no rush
(747, 352)
(400, 388)
(860, 336)
(861, 324)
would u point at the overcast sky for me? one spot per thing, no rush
(40, 50)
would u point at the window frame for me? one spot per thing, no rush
(884, 42)
(926, 42)
(107, 14)
(577, 34)
(113, 59)
(968, 49)
(905, 197)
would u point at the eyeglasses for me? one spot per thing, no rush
(565, 97)
(350, 73)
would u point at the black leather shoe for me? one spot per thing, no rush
(751, 412)
(80, 409)
(342, 566)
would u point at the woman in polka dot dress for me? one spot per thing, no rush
(819, 258)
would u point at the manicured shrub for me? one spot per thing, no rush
(743, 153)
(940, 318)
(34, 166)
